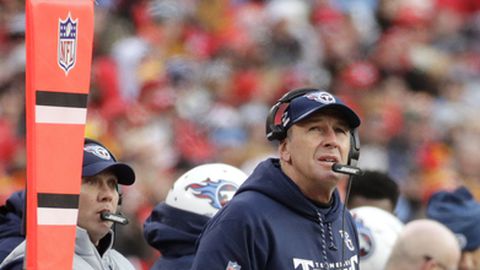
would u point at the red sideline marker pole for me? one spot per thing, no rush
(59, 40)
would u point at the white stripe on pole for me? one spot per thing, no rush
(57, 216)
(60, 115)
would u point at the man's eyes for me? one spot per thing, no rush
(113, 183)
(341, 130)
(95, 182)
(321, 129)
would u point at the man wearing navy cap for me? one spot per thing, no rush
(98, 202)
(288, 214)
(460, 212)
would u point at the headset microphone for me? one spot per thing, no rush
(351, 171)
(346, 169)
(117, 218)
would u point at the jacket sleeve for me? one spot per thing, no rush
(230, 244)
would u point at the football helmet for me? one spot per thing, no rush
(206, 188)
(377, 232)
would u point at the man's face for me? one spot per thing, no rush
(312, 147)
(98, 193)
(470, 260)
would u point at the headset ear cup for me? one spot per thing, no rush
(278, 132)
(274, 132)
(354, 153)
(120, 195)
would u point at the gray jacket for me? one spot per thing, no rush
(86, 255)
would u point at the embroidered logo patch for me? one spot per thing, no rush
(98, 151)
(322, 97)
(348, 241)
(233, 266)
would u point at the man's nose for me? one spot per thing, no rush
(330, 138)
(106, 193)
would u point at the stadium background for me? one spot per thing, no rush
(179, 83)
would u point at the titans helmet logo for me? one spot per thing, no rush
(217, 192)
(366, 239)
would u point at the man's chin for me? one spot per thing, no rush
(106, 224)
(329, 176)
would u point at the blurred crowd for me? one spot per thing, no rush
(177, 83)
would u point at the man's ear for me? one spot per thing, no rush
(284, 149)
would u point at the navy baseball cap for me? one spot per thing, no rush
(460, 212)
(304, 106)
(97, 158)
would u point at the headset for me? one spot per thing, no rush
(279, 132)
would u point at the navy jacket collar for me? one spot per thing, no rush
(269, 179)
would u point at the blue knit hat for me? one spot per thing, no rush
(459, 211)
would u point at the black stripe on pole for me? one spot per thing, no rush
(61, 99)
(58, 200)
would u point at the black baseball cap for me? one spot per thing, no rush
(304, 106)
(97, 158)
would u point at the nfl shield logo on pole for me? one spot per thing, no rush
(67, 43)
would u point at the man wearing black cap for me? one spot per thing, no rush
(98, 203)
(288, 214)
